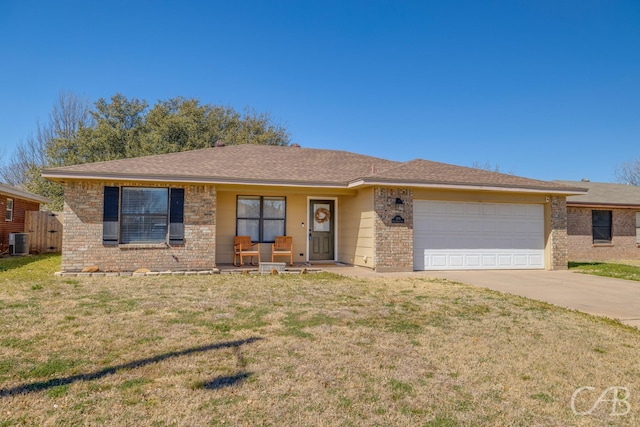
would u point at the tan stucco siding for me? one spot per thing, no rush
(297, 208)
(356, 229)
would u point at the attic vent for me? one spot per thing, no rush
(220, 143)
(295, 145)
(586, 180)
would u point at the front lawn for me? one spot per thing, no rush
(618, 271)
(315, 349)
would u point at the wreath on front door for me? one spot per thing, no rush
(322, 215)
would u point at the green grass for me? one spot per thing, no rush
(316, 349)
(36, 269)
(618, 271)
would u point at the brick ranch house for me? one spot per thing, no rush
(603, 224)
(182, 210)
(14, 203)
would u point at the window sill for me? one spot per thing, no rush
(603, 245)
(128, 246)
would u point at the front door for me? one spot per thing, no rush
(321, 232)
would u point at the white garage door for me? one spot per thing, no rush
(467, 236)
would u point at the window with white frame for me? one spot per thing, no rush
(638, 227)
(261, 217)
(9, 216)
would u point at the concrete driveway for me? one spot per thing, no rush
(601, 296)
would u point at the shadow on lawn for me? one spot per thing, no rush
(573, 264)
(216, 383)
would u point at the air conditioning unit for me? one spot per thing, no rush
(19, 243)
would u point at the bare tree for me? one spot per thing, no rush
(70, 113)
(629, 172)
(28, 154)
(488, 167)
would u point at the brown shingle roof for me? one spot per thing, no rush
(273, 165)
(420, 171)
(605, 193)
(241, 163)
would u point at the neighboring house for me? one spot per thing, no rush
(181, 211)
(14, 203)
(603, 224)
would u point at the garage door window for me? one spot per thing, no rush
(601, 222)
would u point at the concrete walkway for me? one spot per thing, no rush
(601, 296)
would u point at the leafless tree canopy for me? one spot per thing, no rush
(70, 112)
(489, 167)
(629, 172)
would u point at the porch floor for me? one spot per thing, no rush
(296, 268)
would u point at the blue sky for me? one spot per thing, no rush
(544, 89)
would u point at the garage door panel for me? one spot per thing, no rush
(458, 260)
(451, 235)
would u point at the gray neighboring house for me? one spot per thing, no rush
(604, 223)
(181, 211)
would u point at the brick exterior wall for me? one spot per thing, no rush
(393, 242)
(623, 242)
(558, 233)
(82, 244)
(16, 225)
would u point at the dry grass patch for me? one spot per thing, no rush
(301, 350)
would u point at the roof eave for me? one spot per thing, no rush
(61, 177)
(603, 205)
(24, 195)
(472, 187)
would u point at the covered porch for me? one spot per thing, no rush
(327, 226)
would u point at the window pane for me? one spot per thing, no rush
(145, 200)
(601, 221)
(249, 227)
(274, 207)
(637, 227)
(272, 228)
(262, 218)
(143, 229)
(602, 218)
(144, 215)
(248, 207)
(9, 216)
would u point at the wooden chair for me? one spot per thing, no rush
(283, 246)
(243, 247)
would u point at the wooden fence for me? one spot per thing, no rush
(45, 229)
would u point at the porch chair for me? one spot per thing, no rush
(243, 247)
(283, 246)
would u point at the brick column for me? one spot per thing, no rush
(393, 244)
(559, 241)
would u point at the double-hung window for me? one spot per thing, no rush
(601, 226)
(9, 215)
(261, 217)
(143, 215)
